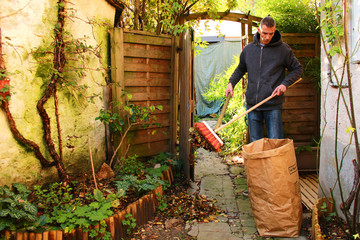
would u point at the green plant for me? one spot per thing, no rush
(162, 202)
(324, 210)
(100, 233)
(4, 90)
(130, 166)
(292, 16)
(130, 222)
(157, 172)
(128, 115)
(71, 216)
(16, 212)
(301, 148)
(54, 195)
(163, 158)
(234, 135)
(140, 185)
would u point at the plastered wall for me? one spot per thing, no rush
(28, 26)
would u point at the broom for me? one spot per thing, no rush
(210, 135)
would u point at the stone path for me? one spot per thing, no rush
(224, 180)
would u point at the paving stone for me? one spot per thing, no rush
(244, 205)
(217, 236)
(236, 170)
(247, 220)
(193, 229)
(240, 181)
(214, 227)
(249, 233)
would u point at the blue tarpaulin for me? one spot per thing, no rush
(213, 60)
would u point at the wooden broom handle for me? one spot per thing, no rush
(223, 110)
(252, 108)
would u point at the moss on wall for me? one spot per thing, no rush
(31, 30)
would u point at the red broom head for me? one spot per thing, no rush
(210, 136)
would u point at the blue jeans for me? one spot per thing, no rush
(273, 123)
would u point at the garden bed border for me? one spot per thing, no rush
(142, 210)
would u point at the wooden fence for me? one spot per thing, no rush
(301, 112)
(141, 65)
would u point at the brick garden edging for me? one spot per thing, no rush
(142, 210)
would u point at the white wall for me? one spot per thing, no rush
(328, 172)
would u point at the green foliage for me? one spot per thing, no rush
(4, 90)
(130, 222)
(233, 135)
(324, 210)
(156, 172)
(165, 16)
(163, 158)
(100, 233)
(292, 16)
(162, 202)
(332, 25)
(312, 70)
(71, 216)
(141, 186)
(16, 212)
(301, 148)
(131, 166)
(199, 44)
(54, 195)
(113, 120)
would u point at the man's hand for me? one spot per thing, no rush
(229, 89)
(279, 90)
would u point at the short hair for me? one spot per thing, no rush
(268, 21)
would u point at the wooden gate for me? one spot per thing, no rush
(141, 65)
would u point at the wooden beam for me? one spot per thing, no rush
(237, 17)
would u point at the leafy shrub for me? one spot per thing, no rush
(140, 185)
(54, 195)
(234, 134)
(71, 216)
(156, 172)
(130, 222)
(130, 166)
(292, 16)
(16, 212)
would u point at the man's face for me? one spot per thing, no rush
(266, 34)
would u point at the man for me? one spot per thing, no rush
(265, 60)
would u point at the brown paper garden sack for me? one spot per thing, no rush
(273, 185)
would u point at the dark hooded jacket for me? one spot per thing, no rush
(266, 67)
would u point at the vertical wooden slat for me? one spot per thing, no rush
(117, 225)
(174, 101)
(117, 75)
(111, 226)
(185, 121)
(249, 30)
(32, 236)
(39, 236)
(59, 235)
(243, 34)
(26, 236)
(19, 236)
(121, 230)
(52, 235)
(46, 235)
